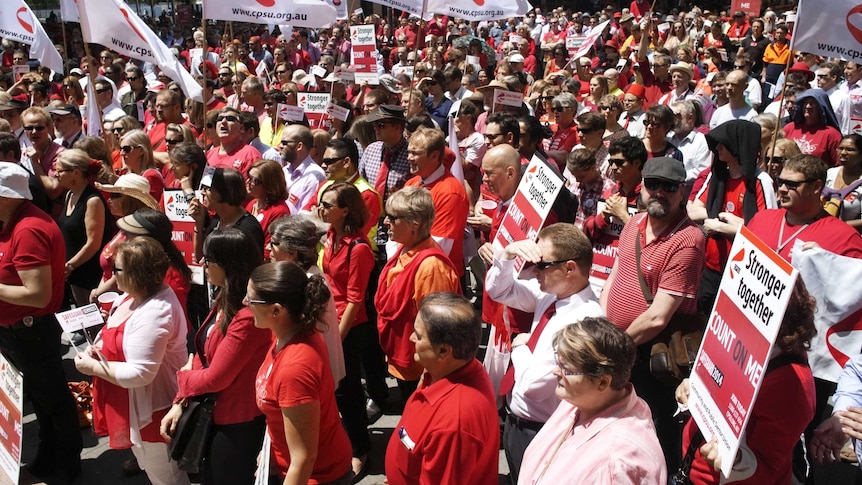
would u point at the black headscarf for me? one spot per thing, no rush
(742, 139)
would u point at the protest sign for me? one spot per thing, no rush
(177, 210)
(315, 105)
(364, 53)
(11, 411)
(530, 206)
(605, 246)
(290, 113)
(77, 318)
(754, 292)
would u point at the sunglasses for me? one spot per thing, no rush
(330, 161)
(228, 118)
(586, 131)
(130, 79)
(127, 148)
(224, 74)
(34, 128)
(117, 130)
(774, 160)
(281, 72)
(326, 205)
(254, 181)
(619, 162)
(100, 91)
(543, 265)
(606, 108)
(394, 218)
(169, 141)
(655, 184)
(559, 109)
(792, 184)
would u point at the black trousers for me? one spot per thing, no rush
(517, 435)
(232, 455)
(373, 358)
(662, 403)
(349, 395)
(35, 351)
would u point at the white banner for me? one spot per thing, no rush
(18, 23)
(831, 29)
(69, 11)
(413, 7)
(595, 33)
(302, 13)
(479, 9)
(113, 24)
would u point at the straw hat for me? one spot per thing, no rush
(132, 185)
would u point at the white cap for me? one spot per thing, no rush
(14, 181)
(516, 58)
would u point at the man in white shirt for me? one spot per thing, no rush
(560, 294)
(302, 174)
(853, 87)
(692, 143)
(111, 110)
(736, 108)
(827, 80)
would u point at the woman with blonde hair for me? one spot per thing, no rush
(267, 187)
(138, 158)
(84, 221)
(773, 159)
(598, 87)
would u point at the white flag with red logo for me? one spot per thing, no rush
(595, 33)
(412, 7)
(113, 24)
(457, 169)
(838, 316)
(18, 23)
(69, 11)
(479, 9)
(93, 113)
(831, 29)
(302, 13)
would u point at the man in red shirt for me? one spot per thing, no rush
(449, 431)
(671, 262)
(451, 205)
(233, 152)
(32, 277)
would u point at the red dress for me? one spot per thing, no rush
(111, 402)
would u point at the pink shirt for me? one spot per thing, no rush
(626, 428)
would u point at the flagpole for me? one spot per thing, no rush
(204, 58)
(65, 55)
(92, 76)
(783, 90)
(418, 38)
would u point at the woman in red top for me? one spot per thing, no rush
(294, 387)
(228, 352)
(137, 154)
(268, 189)
(347, 263)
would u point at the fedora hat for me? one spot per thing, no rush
(387, 112)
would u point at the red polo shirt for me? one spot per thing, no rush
(240, 159)
(348, 270)
(452, 428)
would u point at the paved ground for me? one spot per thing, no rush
(103, 466)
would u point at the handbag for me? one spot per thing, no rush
(672, 352)
(83, 395)
(833, 199)
(191, 439)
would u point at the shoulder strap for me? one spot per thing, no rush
(644, 288)
(350, 248)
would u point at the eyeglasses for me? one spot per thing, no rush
(224, 74)
(169, 141)
(249, 301)
(127, 148)
(253, 181)
(100, 91)
(393, 217)
(330, 161)
(115, 269)
(18, 59)
(566, 372)
(117, 130)
(586, 131)
(655, 184)
(543, 265)
(135, 78)
(284, 143)
(651, 123)
(326, 205)
(776, 160)
(606, 108)
(34, 128)
(228, 118)
(281, 72)
(792, 184)
(559, 109)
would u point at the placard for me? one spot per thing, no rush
(76, 319)
(19, 71)
(574, 42)
(530, 205)
(345, 74)
(591, 38)
(508, 98)
(314, 105)
(337, 112)
(753, 295)
(183, 233)
(318, 71)
(290, 113)
(750, 7)
(11, 412)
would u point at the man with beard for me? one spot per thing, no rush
(302, 174)
(667, 248)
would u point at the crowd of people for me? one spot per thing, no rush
(335, 251)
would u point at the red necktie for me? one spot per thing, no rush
(383, 172)
(508, 382)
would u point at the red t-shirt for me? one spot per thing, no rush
(31, 240)
(654, 89)
(348, 271)
(299, 374)
(718, 247)
(821, 141)
(565, 139)
(240, 159)
(672, 263)
(453, 429)
(831, 233)
(451, 207)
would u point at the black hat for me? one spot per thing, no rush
(388, 112)
(65, 109)
(664, 168)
